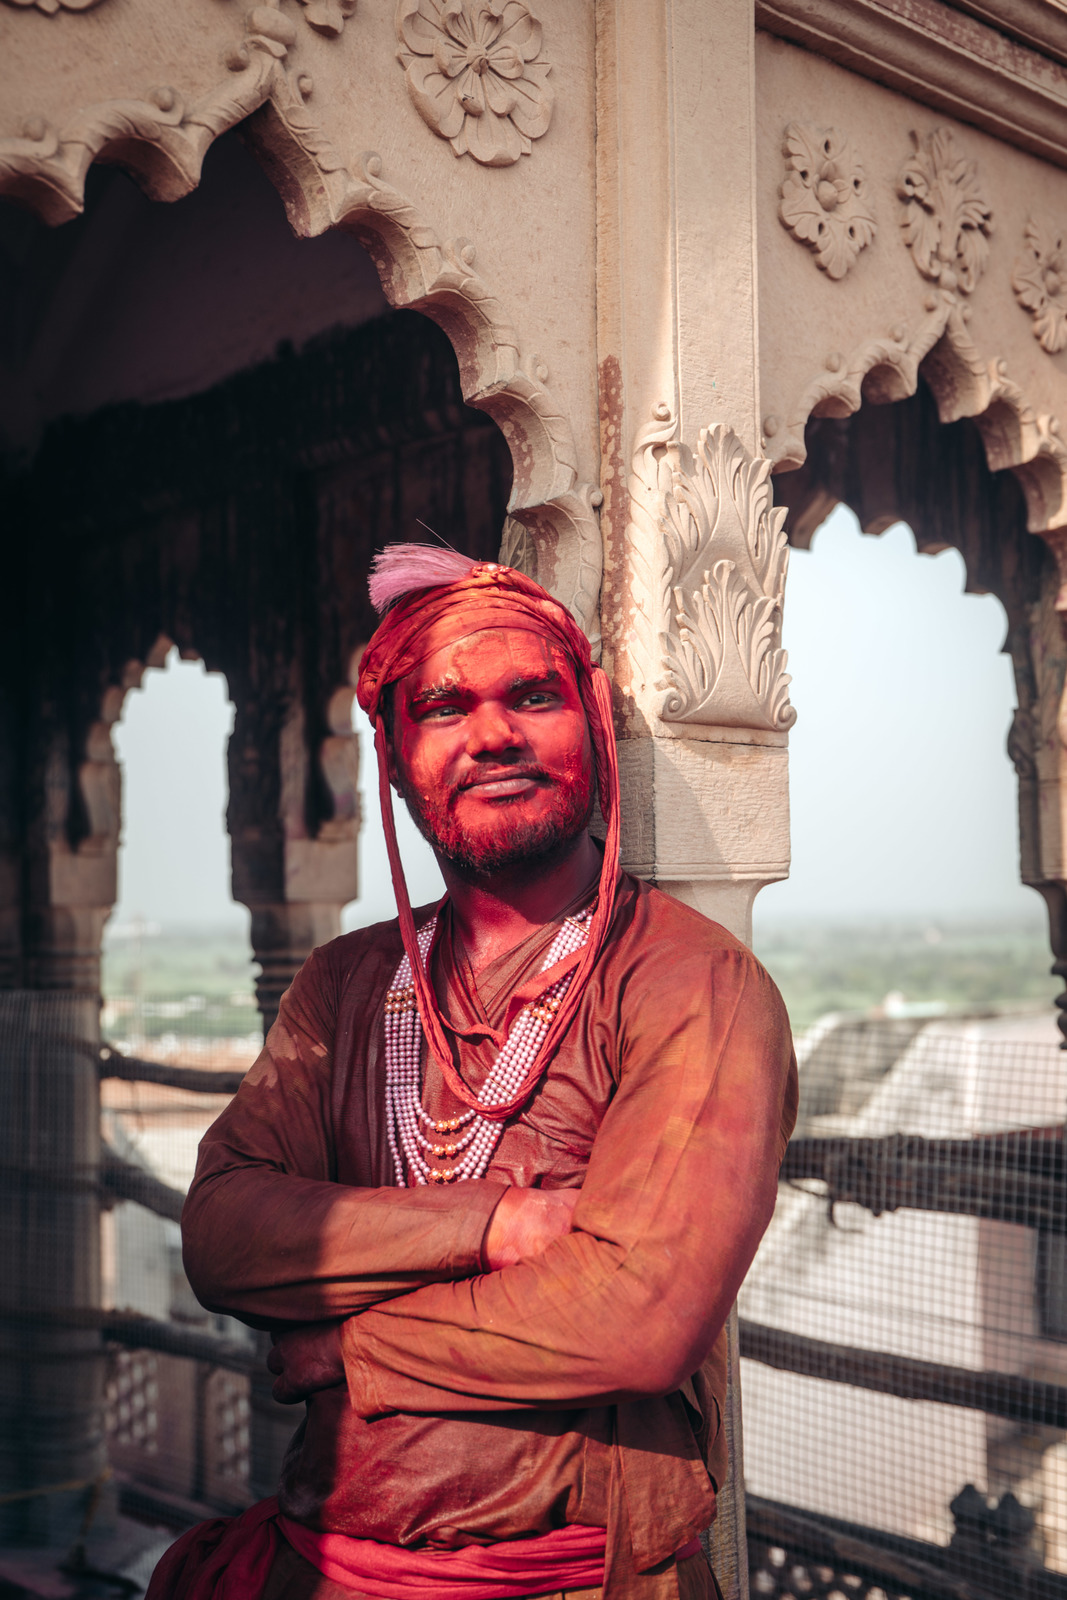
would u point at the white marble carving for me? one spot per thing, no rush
(1040, 283)
(708, 560)
(476, 74)
(947, 221)
(518, 548)
(823, 199)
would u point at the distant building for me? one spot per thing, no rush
(957, 1290)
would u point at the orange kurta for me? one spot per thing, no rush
(583, 1386)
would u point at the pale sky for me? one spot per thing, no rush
(902, 796)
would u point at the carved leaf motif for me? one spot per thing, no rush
(708, 561)
(649, 571)
(823, 198)
(517, 548)
(475, 74)
(1040, 284)
(947, 222)
(727, 639)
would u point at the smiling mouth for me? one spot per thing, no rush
(505, 787)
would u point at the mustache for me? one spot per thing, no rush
(523, 769)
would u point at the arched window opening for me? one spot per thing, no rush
(904, 887)
(135, 300)
(305, 426)
(219, 424)
(915, 966)
(177, 964)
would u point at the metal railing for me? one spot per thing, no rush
(1017, 1177)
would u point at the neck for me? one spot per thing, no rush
(494, 916)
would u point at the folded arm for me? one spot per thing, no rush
(680, 1187)
(310, 1356)
(270, 1236)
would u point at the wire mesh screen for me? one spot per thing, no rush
(179, 1429)
(903, 1328)
(905, 1322)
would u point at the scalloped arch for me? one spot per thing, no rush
(964, 384)
(163, 140)
(99, 777)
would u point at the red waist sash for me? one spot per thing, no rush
(565, 1558)
(230, 1559)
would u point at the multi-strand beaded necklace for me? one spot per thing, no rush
(466, 1142)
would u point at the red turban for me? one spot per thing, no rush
(443, 597)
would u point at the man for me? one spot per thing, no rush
(499, 1172)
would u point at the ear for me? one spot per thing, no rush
(390, 764)
(383, 746)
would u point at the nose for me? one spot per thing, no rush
(492, 733)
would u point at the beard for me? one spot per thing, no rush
(506, 842)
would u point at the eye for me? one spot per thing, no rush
(538, 698)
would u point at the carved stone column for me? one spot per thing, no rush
(694, 555)
(52, 1445)
(52, 1362)
(704, 764)
(1037, 745)
(295, 886)
(293, 875)
(694, 552)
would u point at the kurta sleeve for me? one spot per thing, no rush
(269, 1235)
(680, 1187)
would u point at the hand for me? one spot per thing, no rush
(526, 1222)
(306, 1359)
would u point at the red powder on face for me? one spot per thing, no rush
(501, 603)
(510, 838)
(494, 711)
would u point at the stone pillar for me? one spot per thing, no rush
(1037, 745)
(295, 886)
(283, 935)
(52, 1361)
(695, 553)
(294, 874)
(51, 1370)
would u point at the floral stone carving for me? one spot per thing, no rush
(823, 198)
(476, 74)
(1040, 284)
(708, 561)
(946, 222)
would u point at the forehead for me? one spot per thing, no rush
(490, 660)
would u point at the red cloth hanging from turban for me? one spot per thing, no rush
(489, 596)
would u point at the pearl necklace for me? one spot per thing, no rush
(469, 1137)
